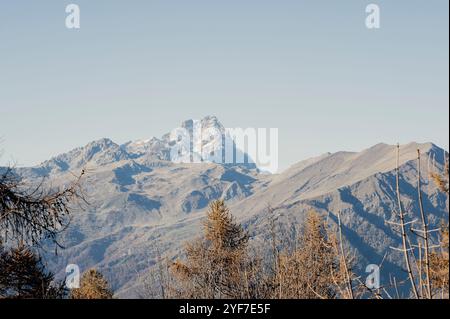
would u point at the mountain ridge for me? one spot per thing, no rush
(143, 205)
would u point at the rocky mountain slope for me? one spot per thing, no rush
(142, 204)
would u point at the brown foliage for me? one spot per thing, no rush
(439, 267)
(312, 270)
(441, 180)
(439, 259)
(92, 286)
(217, 264)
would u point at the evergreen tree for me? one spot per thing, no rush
(216, 264)
(23, 276)
(312, 270)
(92, 286)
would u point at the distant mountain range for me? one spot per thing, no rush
(141, 203)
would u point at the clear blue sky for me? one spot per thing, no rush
(136, 69)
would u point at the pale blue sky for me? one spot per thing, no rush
(136, 69)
